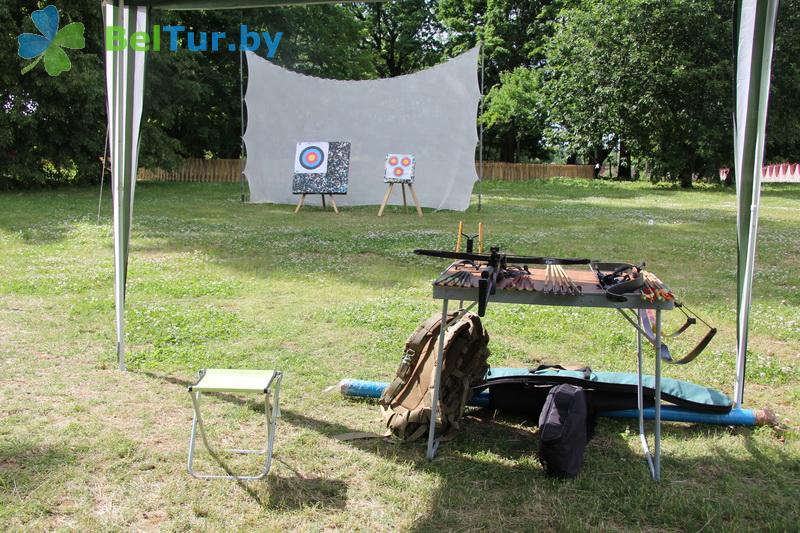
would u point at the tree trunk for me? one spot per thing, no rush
(624, 162)
(685, 178)
(508, 147)
(598, 155)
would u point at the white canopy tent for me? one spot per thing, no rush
(755, 28)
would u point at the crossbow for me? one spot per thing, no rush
(496, 264)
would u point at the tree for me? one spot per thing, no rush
(514, 108)
(649, 75)
(51, 129)
(403, 36)
(514, 33)
(783, 133)
(193, 104)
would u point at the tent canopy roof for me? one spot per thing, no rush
(216, 4)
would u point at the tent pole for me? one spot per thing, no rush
(102, 176)
(480, 149)
(241, 122)
(754, 62)
(118, 167)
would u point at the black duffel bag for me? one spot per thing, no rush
(564, 430)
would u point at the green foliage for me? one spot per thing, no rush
(564, 78)
(783, 133)
(654, 74)
(193, 97)
(514, 108)
(513, 33)
(402, 36)
(51, 129)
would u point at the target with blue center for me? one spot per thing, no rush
(321, 167)
(311, 158)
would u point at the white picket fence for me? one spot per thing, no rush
(782, 173)
(779, 173)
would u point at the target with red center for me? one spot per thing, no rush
(311, 158)
(399, 168)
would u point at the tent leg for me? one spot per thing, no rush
(756, 35)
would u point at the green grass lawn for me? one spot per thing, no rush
(323, 297)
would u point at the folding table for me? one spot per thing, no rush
(590, 298)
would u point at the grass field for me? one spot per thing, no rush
(322, 297)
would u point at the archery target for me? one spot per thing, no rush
(399, 168)
(324, 168)
(311, 158)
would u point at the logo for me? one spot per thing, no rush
(176, 37)
(51, 43)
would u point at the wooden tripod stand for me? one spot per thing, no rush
(405, 203)
(302, 202)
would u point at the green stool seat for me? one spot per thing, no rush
(232, 380)
(266, 382)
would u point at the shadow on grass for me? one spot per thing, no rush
(489, 477)
(298, 491)
(25, 465)
(274, 492)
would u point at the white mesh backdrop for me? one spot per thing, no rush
(430, 114)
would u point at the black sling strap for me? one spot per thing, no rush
(647, 330)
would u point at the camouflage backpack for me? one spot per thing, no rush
(406, 402)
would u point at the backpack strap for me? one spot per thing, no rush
(414, 345)
(406, 403)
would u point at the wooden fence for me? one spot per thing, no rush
(229, 170)
(204, 170)
(529, 171)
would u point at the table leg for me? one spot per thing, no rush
(657, 466)
(437, 380)
(640, 393)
